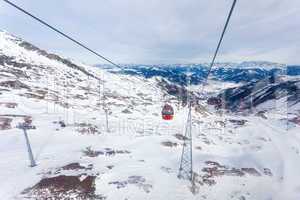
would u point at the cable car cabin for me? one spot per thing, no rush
(167, 112)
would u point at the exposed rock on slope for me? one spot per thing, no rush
(257, 93)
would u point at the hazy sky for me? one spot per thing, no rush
(162, 31)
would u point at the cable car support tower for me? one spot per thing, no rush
(186, 162)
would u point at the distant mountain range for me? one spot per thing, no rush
(230, 72)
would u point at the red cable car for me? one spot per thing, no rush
(167, 112)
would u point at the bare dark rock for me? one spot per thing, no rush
(238, 122)
(268, 172)
(296, 120)
(138, 181)
(106, 151)
(73, 166)
(8, 104)
(180, 137)
(5, 123)
(62, 124)
(110, 167)
(64, 187)
(32, 95)
(251, 171)
(86, 128)
(16, 71)
(215, 169)
(215, 101)
(89, 152)
(198, 148)
(15, 115)
(79, 96)
(80, 186)
(126, 111)
(169, 144)
(14, 84)
(261, 114)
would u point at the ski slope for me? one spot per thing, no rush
(235, 156)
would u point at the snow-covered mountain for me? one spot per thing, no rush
(236, 155)
(229, 72)
(254, 94)
(261, 65)
(59, 81)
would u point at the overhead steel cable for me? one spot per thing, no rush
(69, 38)
(220, 40)
(108, 60)
(61, 33)
(186, 161)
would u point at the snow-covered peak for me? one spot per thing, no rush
(261, 65)
(266, 65)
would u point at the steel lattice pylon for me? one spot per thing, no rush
(186, 163)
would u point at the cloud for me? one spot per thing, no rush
(169, 31)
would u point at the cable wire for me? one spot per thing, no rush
(69, 37)
(108, 60)
(220, 41)
(61, 33)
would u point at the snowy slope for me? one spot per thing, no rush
(235, 157)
